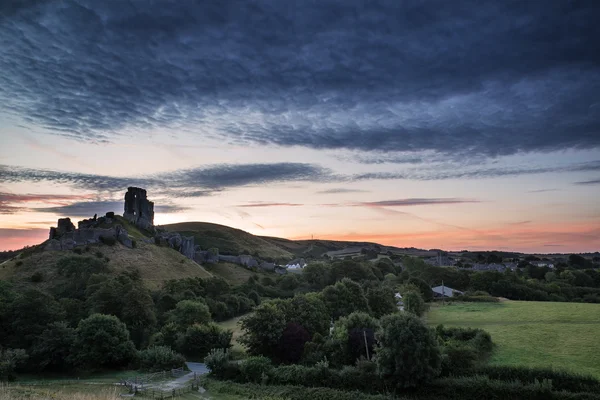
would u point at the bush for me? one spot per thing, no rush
(99, 254)
(160, 358)
(200, 339)
(37, 277)
(407, 354)
(78, 250)
(10, 360)
(216, 361)
(561, 380)
(19, 263)
(255, 369)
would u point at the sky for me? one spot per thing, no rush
(430, 124)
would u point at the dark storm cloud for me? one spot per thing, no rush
(455, 78)
(261, 204)
(341, 190)
(451, 172)
(222, 176)
(194, 182)
(89, 208)
(592, 182)
(416, 202)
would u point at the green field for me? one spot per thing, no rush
(535, 334)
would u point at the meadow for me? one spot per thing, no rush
(563, 336)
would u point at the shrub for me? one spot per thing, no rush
(200, 339)
(253, 369)
(218, 363)
(19, 263)
(99, 254)
(10, 360)
(78, 250)
(37, 277)
(407, 354)
(133, 243)
(160, 358)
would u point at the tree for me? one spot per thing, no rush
(190, 312)
(288, 282)
(308, 310)
(351, 331)
(424, 288)
(200, 339)
(352, 270)
(160, 358)
(138, 314)
(263, 329)
(10, 360)
(291, 343)
(318, 274)
(413, 302)
(30, 312)
(103, 342)
(381, 301)
(344, 298)
(407, 353)
(52, 349)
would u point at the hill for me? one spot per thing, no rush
(230, 240)
(155, 264)
(533, 334)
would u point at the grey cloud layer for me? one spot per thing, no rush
(211, 179)
(451, 77)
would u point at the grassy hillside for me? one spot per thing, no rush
(534, 334)
(229, 240)
(156, 264)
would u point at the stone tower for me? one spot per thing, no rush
(138, 209)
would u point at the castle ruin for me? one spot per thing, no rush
(138, 209)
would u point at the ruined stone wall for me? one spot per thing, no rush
(138, 209)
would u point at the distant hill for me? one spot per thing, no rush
(230, 240)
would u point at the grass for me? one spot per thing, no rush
(563, 336)
(229, 240)
(234, 326)
(156, 264)
(234, 274)
(60, 391)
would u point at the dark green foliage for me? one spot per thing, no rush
(138, 314)
(256, 391)
(291, 343)
(308, 310)
(318, 275)
(381, 300)
(254, 296)
(29, 314)
(217, 361)
(19, 263)
(288, 282)
(423, 286)
(407, 354)
(160, 358)
(37, 277)
(10, 361)
(561, 380)
(78, 250)
(103, 342)
(52, 349)
(190, 312)
(350, 332)
(350, 269)
(344, 298)
(482, 387)
(198, 340)
(253, 369)
(413, 302)
(263, 329)
(78, 270)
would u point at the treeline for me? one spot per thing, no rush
(92, 318)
